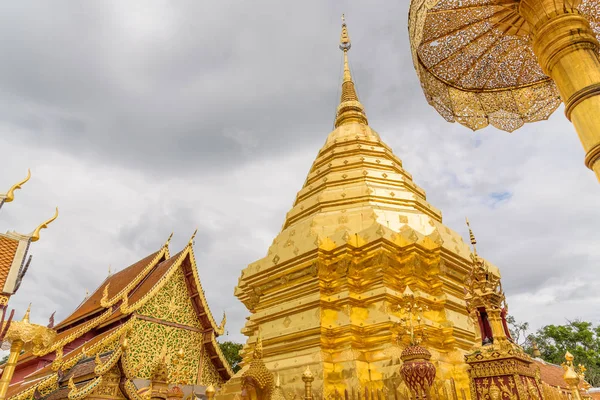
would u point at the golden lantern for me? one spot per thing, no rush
(508, 62)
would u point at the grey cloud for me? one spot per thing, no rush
(184, 78)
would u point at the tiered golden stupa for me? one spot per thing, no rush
(360, 235)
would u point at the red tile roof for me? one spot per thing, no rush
(117, 282)
(8, 249)
(551, 374)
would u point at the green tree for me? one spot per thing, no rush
(231, 351)
(581, 338)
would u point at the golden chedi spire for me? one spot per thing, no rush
(359, 232)
(350, 109)
(473, 240)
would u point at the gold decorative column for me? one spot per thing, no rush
(571, 377)
(567, 51)
(9, 369)
(308, 378)
(23, 336)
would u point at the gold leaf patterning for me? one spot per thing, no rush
(172, 303)
(146, 341)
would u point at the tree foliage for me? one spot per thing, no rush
(231, 351)
(518, 330)
(580, 338)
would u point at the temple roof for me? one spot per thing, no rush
(14, 248)
(8, 251)
(114, 304)
(115, 284)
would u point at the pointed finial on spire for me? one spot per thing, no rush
(109, 270)
(26, 316)
(344, 38)
(350, 109)
(51, 321)
(472, 237)
(223, 322)
(168, 240)
(210, 392)
(10, 195)
(35, 236)
(191, 242)
(307, 373)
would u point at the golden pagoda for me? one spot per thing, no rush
(359, 238)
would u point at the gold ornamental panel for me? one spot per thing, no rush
(172, 303)
(149, 339)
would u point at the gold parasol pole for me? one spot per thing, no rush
(9, 369)
(567, 50)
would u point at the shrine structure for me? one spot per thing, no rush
(360, 235)
(145, 326)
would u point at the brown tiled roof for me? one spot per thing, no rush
(84, 367)
(61, 393)
(551, 374)
(92, 306)
(117, 282)
(8, 249)
(145, 286)
(153, 277)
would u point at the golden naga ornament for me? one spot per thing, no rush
(10, 195)
(508, 62)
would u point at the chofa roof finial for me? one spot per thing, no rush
(10, 195)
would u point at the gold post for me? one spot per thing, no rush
(571, 377)
(210, 392)
(9, 370)
(566, 48)
(496, 324)
(308, 378)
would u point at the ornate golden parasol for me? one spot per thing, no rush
(23, 335)
(508, 62)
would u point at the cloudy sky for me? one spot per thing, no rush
(142, 118)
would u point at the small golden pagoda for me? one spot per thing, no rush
(14, 248)
(499, 368)
(359, 236)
